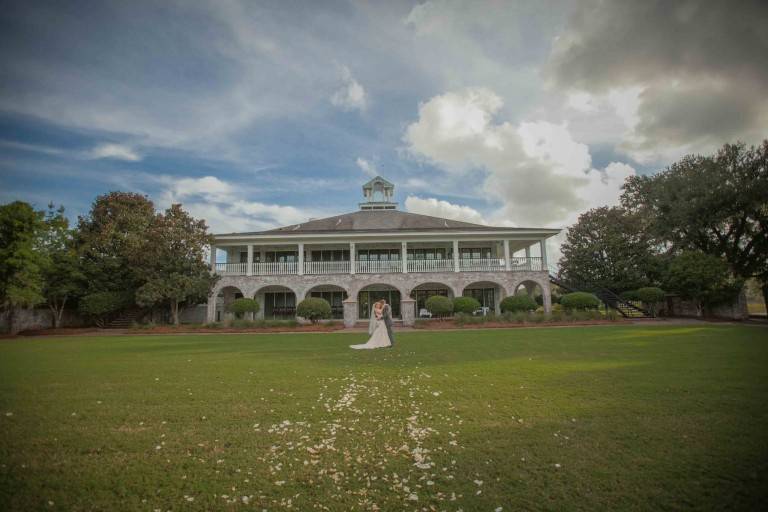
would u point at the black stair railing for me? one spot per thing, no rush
(606, 296)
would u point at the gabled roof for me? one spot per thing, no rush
(370, 182)
(373, 221)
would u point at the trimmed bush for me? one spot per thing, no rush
(630, 295)
(241, 306)
(518, 303)
(651, 296)
(579, 301)
(439, 306)
(314, 309)
(466, 305)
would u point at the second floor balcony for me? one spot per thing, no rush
(381, 267)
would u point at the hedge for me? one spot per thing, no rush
(313, 309)
(579, 300)
(466, 305)
(439, 305)
(518, 303)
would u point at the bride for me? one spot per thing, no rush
(377, 329)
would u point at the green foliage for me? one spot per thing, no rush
(467, 305)
(113, 241)
(630, 295)
(579, 301)
(608, 248)
(701, 277)
(100, 305)
(518, 303)
(172, 263)
(651, 296)
(244, 305)
(439, 306)
(21, 276)
(314, 309)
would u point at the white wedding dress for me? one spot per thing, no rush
(379, 337)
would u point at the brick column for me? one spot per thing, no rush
(408, 311)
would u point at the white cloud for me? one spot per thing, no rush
(113, 151)
(351, 95)
(369, 168)
(536, 171)
(225, 206)
(444, 209)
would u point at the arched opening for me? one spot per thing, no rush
(424, 291)
(532, 289)
(226, 296)
(374, 292)
(335, 295)
(277, 302)
(488, 293)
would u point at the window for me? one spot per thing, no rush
(279, 305)
(486, 296)
(335, 299)
(282, 256)
(330, 255)
(475, 253)
(421, 297)
(378, 255)
(439, 253)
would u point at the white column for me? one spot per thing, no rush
(528, 252)
(507, 266)
(301, 258)
(213, 258)
(249, 268)
(455, 255)
(543, 249)
(404, 257)
(352, 257)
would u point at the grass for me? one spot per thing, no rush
(597, 418)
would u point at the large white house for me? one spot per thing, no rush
(356, 258)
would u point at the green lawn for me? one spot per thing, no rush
(598, 418)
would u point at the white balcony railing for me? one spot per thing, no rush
(275, 269)
(231, 269)
(378, 267)
(482, 265)
(326, 267)
(430, 266)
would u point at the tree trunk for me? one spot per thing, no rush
(765, 295)
(13, 329)
(175, 312)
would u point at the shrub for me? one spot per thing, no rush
(314, 309)
(466, 305)
(557, 308)
(518, 303)
(651, 296)
(579, 301)
(241, 306)
(630, 295)
(537, 318)
(439, 306)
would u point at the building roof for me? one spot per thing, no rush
(372, 221)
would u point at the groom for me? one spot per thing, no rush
(386, 315)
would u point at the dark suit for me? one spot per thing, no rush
(386, 315)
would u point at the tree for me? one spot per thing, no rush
(21, 279)
(651, 295)
(703, 278)
(172, 262)
(112, 241)
(314, 309)
(608, 248)
(100, 305)
(62, 273)
(715, 204)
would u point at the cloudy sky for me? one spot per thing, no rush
(260, 114)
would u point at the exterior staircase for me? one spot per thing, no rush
(125, 319)
(606, 296)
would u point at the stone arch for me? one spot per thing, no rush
(530, 287)
(368, 293)
(540, 281)
(277, 301)
(333, 293)
(223, 297)
(489, 293)
(425, 289)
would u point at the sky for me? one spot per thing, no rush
(255, 115)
